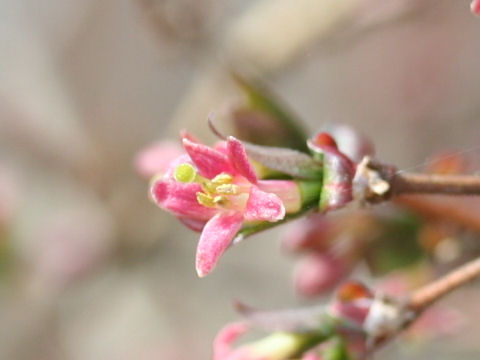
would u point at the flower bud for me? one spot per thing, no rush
(318, 274)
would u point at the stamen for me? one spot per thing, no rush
(205, 200)
(185, 173)
(220, 200)
(222, 179)
(227, 189)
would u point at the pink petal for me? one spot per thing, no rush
(208, 161)
(215, 239)
(239, 159)
(193, 224)
(184, 134)
(263, 206)
(156, 158)
(475, 7)
(288, 191)
(311, 356)
(180, 199)
(222, 345)
(221, 146)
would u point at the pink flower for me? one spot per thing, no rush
(156, 158)
(216, 190)
(475, 7)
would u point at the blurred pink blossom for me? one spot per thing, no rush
(70, 243)
(155, 158)
(475, 7)
(318, 274)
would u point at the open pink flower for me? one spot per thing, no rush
(216, 190)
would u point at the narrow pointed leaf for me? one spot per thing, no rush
(265, 113)
(287, 161)
(302, 320)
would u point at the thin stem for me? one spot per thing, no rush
(435, 184)
(431, 293)
(424, 297)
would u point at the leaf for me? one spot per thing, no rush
(288, 161)
(303, 320)
(265, 120)
(396, 247)
(336, 351)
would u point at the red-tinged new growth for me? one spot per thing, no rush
(338, 172)
(475, 7)
(216, 190)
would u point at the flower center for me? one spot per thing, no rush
(215, 192)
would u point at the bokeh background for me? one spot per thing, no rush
(90, 269)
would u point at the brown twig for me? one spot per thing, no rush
(426, 296)
(406, 183)
(433, 292)
(376, 182)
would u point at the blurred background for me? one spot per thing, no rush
(89, 268)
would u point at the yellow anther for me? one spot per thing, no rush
(220, 200)
(205, 200)
(227, 189)
(185, 173)
(222, 179)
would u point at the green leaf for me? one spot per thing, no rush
(287, 161)
(396, 246)
(265, 120)
(336, 351)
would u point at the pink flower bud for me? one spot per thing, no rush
(351, 142)
(313, 232)
(318, 274)
(352, 303)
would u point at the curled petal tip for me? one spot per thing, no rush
(216, 236)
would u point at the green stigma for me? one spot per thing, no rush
(185, 173)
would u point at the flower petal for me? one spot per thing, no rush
(215, 239)
(222, 345)
(155, 158)
(180, 199)
(475, 7)
(263, 206)
(238, 157)
(208, 161)
(288, 191)
(193, 224)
